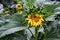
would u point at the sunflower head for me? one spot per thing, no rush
(19, 6)
(19, 11)
(35, 19)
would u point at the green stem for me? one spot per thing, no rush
(36, 33)
(31, 32)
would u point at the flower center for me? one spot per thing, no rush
(19, 6)
(35, 18)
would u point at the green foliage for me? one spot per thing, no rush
(13, 25)
(49, 8)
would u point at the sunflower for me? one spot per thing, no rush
(35, 19)
(19, 11)
(19, 6)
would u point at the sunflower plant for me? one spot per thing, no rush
(30, 20)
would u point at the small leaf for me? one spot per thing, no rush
(50, 18)
(29, 5)
(57, 13)
(41, 29)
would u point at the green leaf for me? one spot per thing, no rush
(11, 30)
(49, 8)
(51, 18)
(11, 23)
(29, 4)
(54, 36)
(15, 36)
(31, 1)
